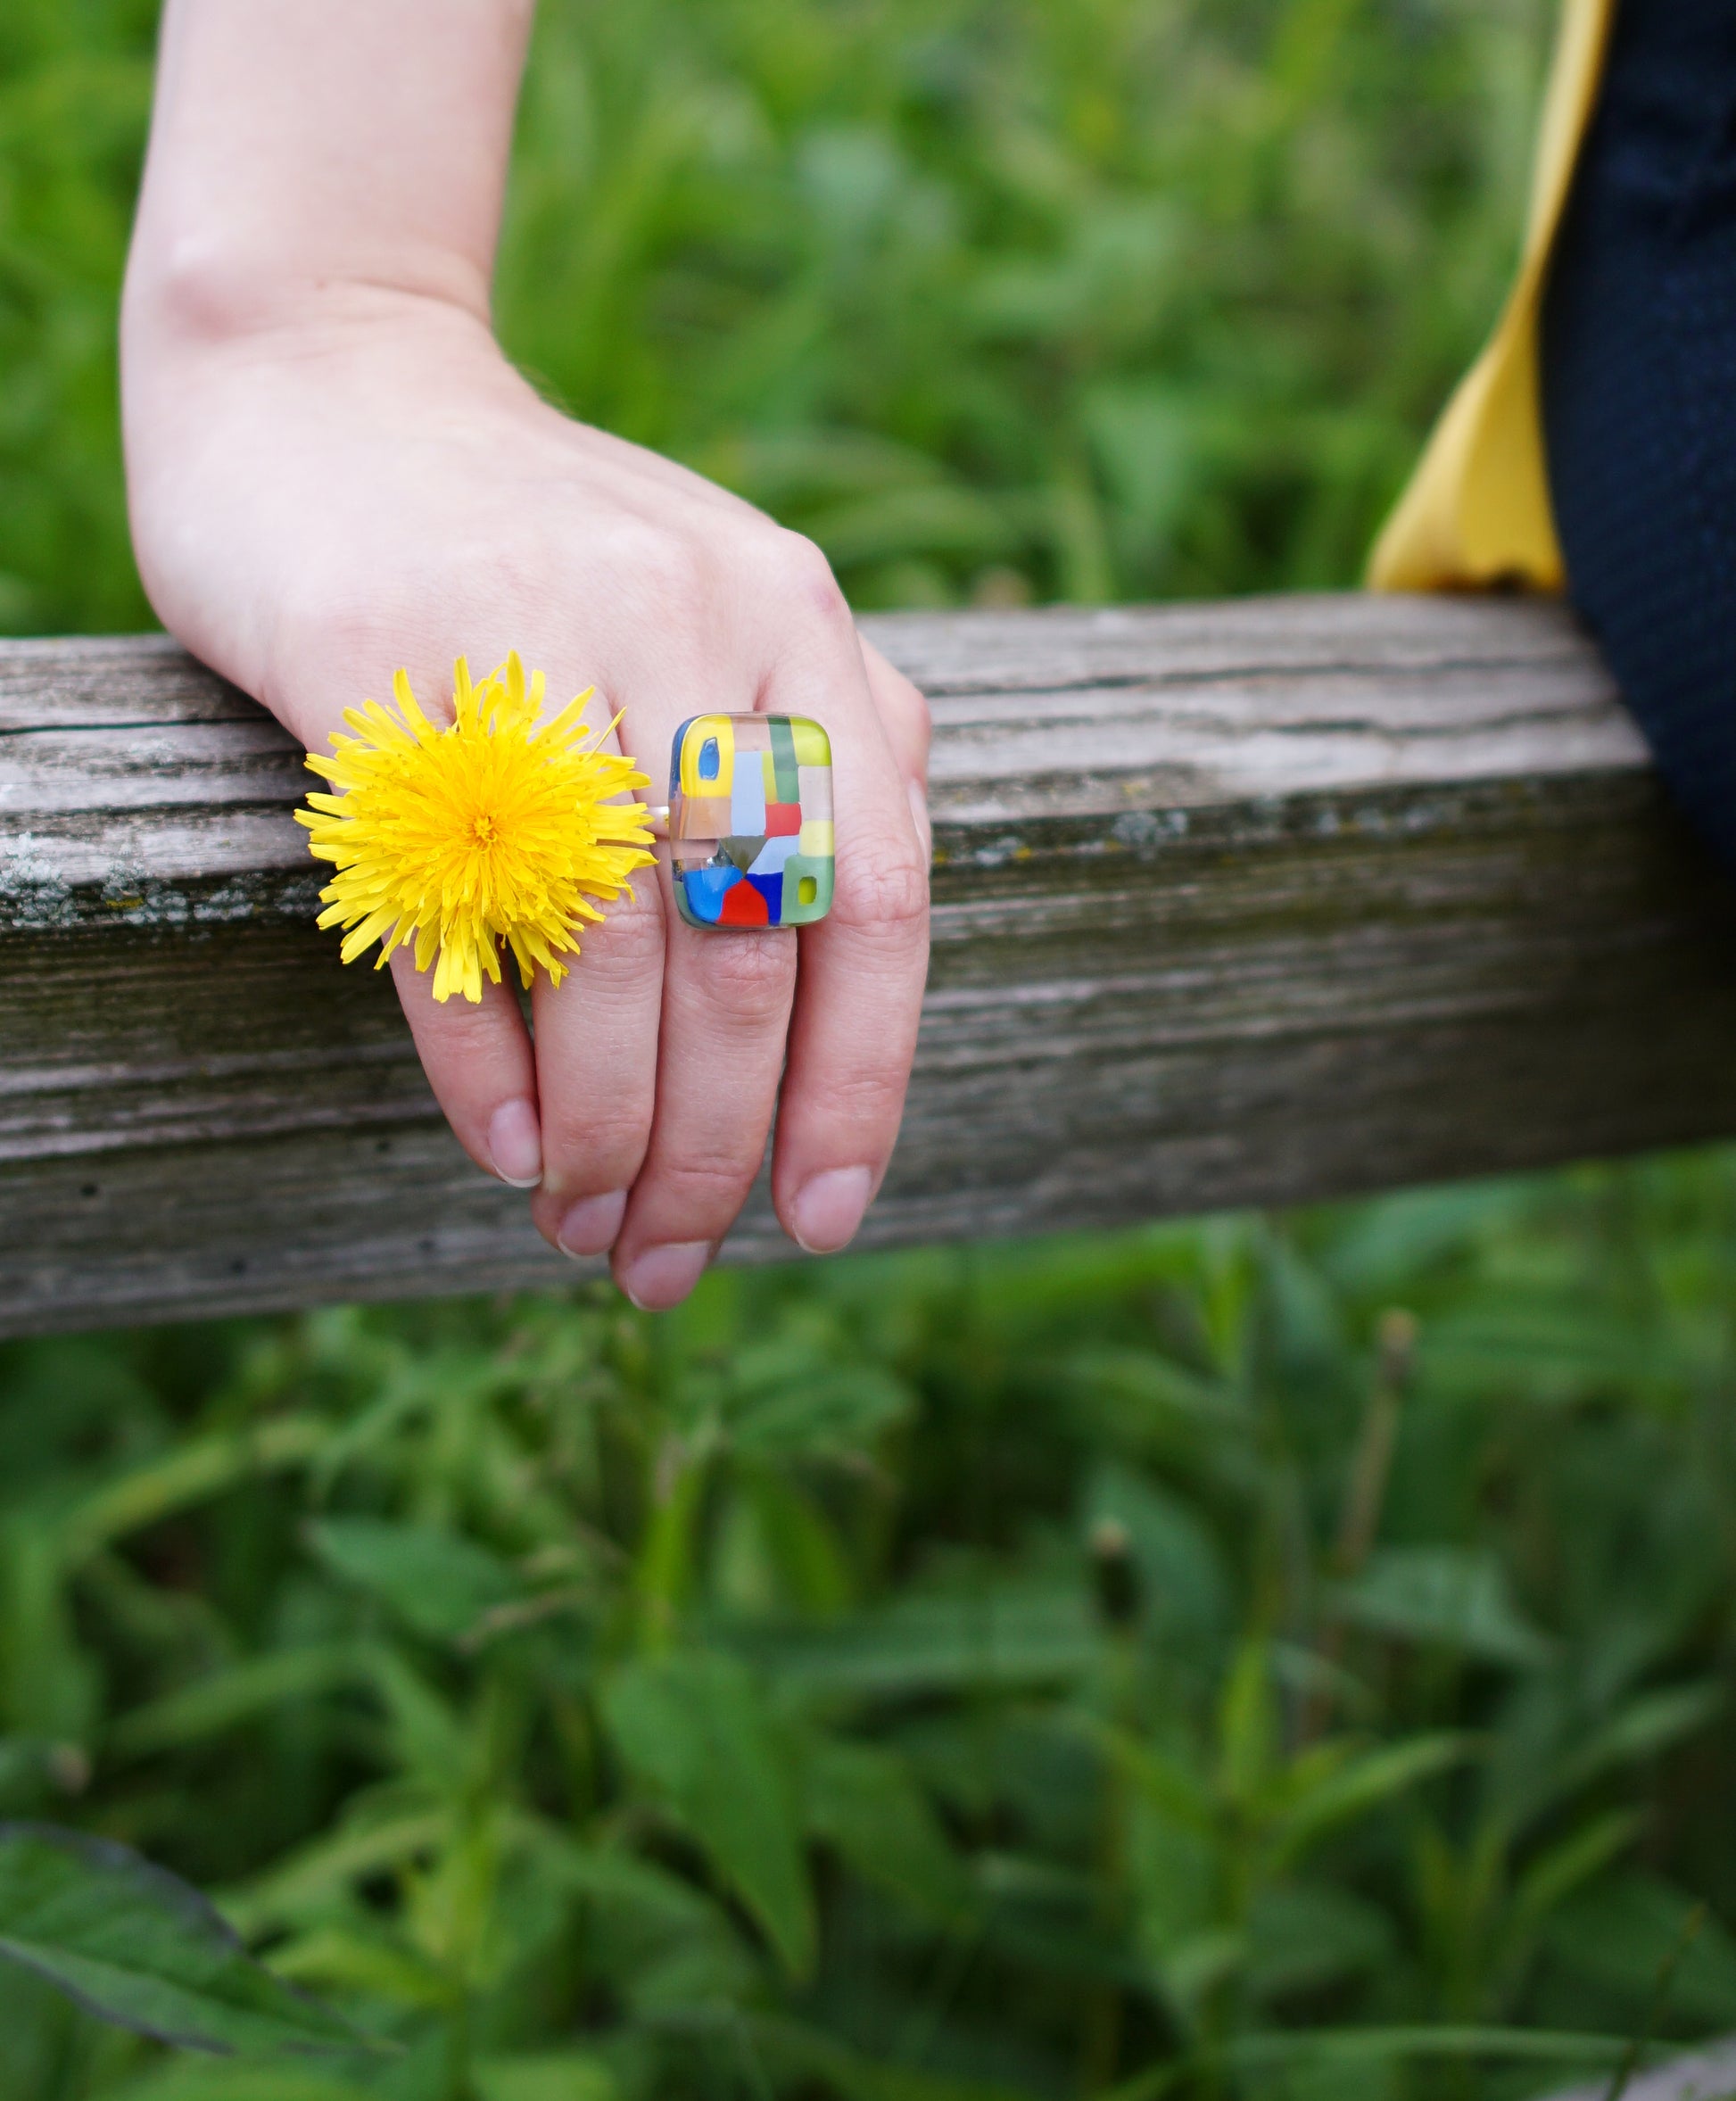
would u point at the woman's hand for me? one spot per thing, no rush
(333, 471)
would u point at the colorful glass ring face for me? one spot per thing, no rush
(750, 838)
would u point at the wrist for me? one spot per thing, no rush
(187, 294)
(254, 409)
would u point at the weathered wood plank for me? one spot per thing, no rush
(1705, 2074)
(1252, 902)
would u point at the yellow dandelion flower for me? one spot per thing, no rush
(496, 829)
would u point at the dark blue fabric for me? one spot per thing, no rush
(1639, 372)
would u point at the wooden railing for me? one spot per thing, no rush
(1708, 2073)
(1254, 902)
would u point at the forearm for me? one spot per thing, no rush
(302, 147)
(321, 197)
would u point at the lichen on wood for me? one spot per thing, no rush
(1246, 903)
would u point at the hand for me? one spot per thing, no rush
(355, 479)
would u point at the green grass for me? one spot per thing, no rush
(1265, 1658)
(1277, 1658)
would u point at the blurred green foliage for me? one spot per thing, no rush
(1088, 299)
(996, 298)
(75, 87)
(1266, 1658)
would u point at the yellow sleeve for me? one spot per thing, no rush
(1477, 510)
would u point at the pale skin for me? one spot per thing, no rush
(333, 470)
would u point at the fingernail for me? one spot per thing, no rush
(662, 1277)
(590, 1225)
(829, 1207)
(919, 810)
(515, 1143)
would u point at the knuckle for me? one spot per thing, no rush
(664, 563)
(463, 1034)
(336, 627)
(751, 976)
(867, 1097)
(594, 1150)
(696, 1198)
(472, 1032)
(882, 885)
(808, 575)
(710, 1188)
(627, 946)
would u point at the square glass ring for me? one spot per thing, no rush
(750, 838)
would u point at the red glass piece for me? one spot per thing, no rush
(743, 905)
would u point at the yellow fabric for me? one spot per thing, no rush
(1477, 510)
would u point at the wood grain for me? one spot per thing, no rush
(1246, 903)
